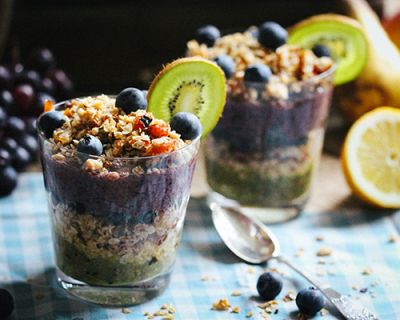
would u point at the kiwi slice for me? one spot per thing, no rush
(343, 36)
(193, 85)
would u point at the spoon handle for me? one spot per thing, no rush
(348, 308)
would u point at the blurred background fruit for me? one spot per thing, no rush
(392, 27)
(378, 83)
(24, 88)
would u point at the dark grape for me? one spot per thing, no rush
(6, 100)
(5, 77)
(17, 69)
(29, 77)
(5, 158)
(21, 158)
(30, 143)
(9, 144)
(24, 96)
(42, 60)
(63, 84)
(30, 125)
(48, 86)
(3, 117)
(8, 182)
(15, 127)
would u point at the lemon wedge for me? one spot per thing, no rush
(371, 157)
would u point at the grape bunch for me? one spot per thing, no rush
(24, 88)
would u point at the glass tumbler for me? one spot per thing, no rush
(116, 232)
(264, 151)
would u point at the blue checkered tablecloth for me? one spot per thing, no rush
(205, 270)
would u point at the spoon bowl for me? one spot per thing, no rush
(247, 238)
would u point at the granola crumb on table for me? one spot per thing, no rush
(221, 305)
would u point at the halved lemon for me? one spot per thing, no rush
(371, 157)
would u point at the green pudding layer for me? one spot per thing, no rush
(106, 271)
(251, 186)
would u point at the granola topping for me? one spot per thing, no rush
(137, 134)
(289, 64)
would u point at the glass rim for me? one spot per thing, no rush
(136, 158)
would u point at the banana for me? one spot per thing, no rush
(379, 82)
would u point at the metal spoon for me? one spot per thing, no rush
(253, 242)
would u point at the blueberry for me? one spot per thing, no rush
(227, 64)
(9, 144)
(321, 51)
(89, 145)
(208, 35)
(5, 158)
(15, 127)
(8, 182)
(148, 217)
(21, 158)
(257, 72)
(310, 301)
(269, 285)
(131, 100)
(3, 117)
(6, 303)
(30, 143)
(50, 121)
(186, 124)
(271, 35)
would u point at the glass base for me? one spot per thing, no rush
(114, 296)
(267, 215)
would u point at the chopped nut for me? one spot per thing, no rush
(324, 312)
(324, 252)
(249, 314)
(161, 313)
(235, 310)
(290, 296)
(221, 305)
(367, 271)
(319, 238)
(207, 278)
(236, 293)
(126, 310)
(250, 270)
(392, 238)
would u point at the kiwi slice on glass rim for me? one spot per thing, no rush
(193, 85)
(343, 36)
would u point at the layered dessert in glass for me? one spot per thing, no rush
(263, 153)
(118, 185)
